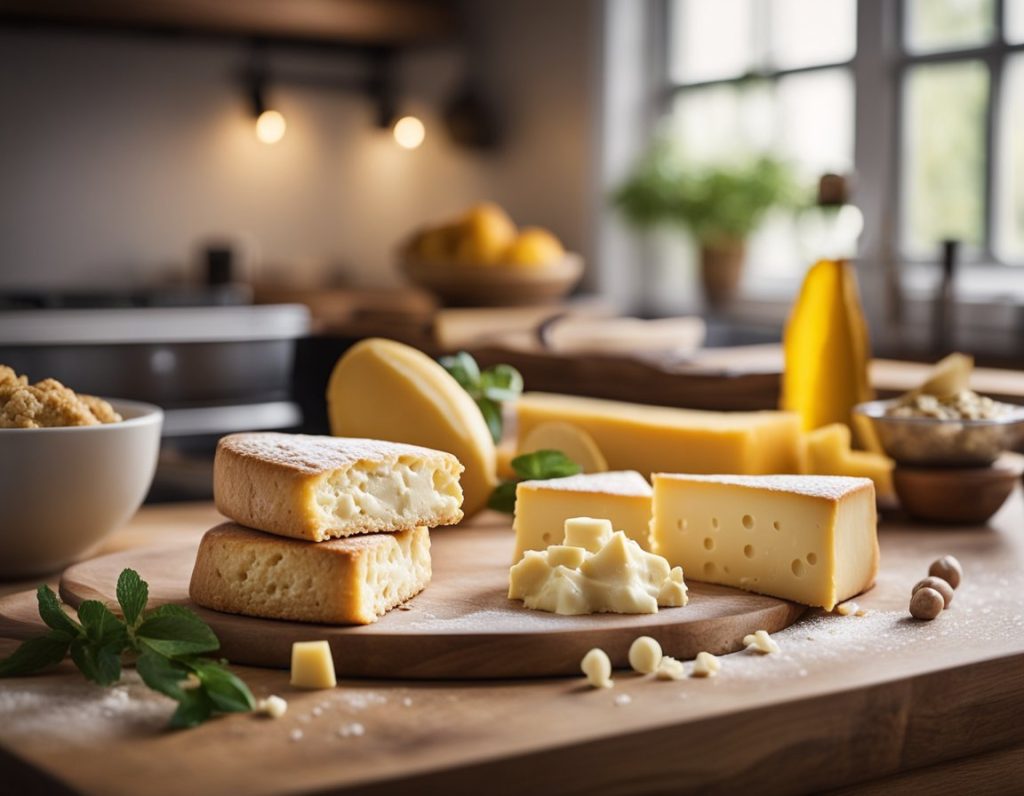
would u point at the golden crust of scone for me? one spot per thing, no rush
(284, 484)
(343, 581)
(48, 404)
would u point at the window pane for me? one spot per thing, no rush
(814, 121)
(810, 32)
(944, 155)
(1014, 21)
(722, 122)
(948, 24)
(1009, 221)
(711, 39)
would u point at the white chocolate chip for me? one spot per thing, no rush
(761, 642)
(273, 706)
(847, 608)
(669, 669)
(645, 655)
(706, 665)
(597, 666)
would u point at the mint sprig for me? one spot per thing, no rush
(489, 388)
(537, 466)
(167, 642)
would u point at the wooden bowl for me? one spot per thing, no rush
(459, 285)
(956, 495)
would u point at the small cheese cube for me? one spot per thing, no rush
(588, 533)
(561, 555)
(312, 665)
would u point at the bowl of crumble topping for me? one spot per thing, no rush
(72, 469)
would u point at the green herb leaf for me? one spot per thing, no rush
(194, 708)
(464, 370)
(36, 654)
(501, 383)
(162, 674)
(101, 664)
(544, 464)
(51, 612)
(492, 416)
(227, 692)
(132, 595)
(503, 498)
(102, 627)
(174, 630)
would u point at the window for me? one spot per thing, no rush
(777, 76)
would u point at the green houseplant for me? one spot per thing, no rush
(720, 205)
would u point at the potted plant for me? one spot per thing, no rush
(720, 205)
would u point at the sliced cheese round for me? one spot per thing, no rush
(382, 389)
(571, 440)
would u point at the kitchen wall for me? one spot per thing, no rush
(121, 156)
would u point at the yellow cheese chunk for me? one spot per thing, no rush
(829, 453)
(381, 389)
(312, 665)
(571, 440)
(811, 539)
(657, 438)
(615, 577)
(589, 533)
(826, 348)
(542, 507)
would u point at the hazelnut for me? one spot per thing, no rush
(941, 586)
(947, 568)
(926, 604)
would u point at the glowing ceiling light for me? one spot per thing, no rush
(270, 127)
(409, 132)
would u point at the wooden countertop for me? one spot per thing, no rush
(882, 702)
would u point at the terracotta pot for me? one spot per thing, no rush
(721, 266)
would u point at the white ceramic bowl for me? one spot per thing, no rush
(64, 489)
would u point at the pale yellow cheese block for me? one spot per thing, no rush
(829, 453)
(542, 507)
(662, 439)
(312, 665)
(810, 539)
(383, 389)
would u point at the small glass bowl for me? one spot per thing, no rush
(940, 442)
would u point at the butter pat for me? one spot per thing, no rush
(542, 507)
(662, 439)
(312, 665)
(614, 574)
(811, 539)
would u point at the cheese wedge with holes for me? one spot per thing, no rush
(319, 488)
(810, 539)
(542, 507)
(349, 581)
(663, 439)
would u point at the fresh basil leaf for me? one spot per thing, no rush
(99, 663)
(503, 498)
(492, 416)
(51, 612)
(194, 708)
(36, 654)
(501, 383)
(544, 464)
(464, 370)
(132, 595)
(227, 692)
(174, 630)
(162, 674)
(102, 627)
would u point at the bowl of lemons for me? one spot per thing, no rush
(482, 259)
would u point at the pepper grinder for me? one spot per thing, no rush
(943, 311)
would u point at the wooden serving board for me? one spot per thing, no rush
(462, 626)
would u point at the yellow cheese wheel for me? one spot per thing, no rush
(571, 440)
(382, 389)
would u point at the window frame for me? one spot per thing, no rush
(879, 69)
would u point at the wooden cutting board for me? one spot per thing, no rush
(462, 626)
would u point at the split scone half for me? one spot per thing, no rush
(351, 581)
(318, 488)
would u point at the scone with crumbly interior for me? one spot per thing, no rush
(47, 404)
(319, 488)
(344, 581)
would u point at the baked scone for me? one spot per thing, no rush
(319, 488)
(341, 582)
